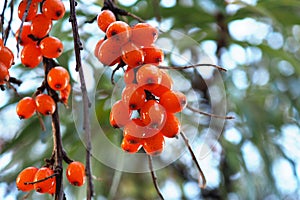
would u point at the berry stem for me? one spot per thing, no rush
(41, 180)
(193, 66)
(208, 114)
(85, 99)
(202, 180)
(154, 177)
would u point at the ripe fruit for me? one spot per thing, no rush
(154, 145)
(46, 185)
(76, 173)
(119, 114)
(31, 55)
(119, 32)
(134, 96)
(173, 101)
(45, 104)
(51, 47)
(6, 56)
(171, 127)
(97, 47)
(53, 188)
(26, 108)
(26, 175)
(4, 74)
(26, 30)
(153, 114)
(135, 130)
(53, 9)
(148, 76)
(132, 55)
(65, 93)
(165, 85)
(33, 8)
(109, 53)
(40, 26)
(58, 78)
(129, 76)
(153, 55)
(143, 34)
(129, 146)
(105, 18)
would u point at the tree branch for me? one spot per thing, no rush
(192, 66)
(208, 114)
(85, 99)
(154, 178)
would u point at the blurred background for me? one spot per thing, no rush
(256, 155)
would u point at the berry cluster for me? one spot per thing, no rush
(34, 36)
(43, 180)
(6, 61)
(147, 109)
(133, 46)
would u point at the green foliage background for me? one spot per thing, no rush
(263, 110)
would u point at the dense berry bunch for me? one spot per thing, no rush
(147, 109)
(6, 61)
(133, 46)
(34, 36)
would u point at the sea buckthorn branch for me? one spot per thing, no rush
(41, 180)
(202, 180)
(8, 28)
(85, 99)
(192, 66)
(154, 177)
(2, 17)
(208, 114)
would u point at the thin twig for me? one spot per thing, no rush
(154, 178)
(41, 180)
(8, 28)
(85, 99)
(2, 17)
(42, 124)
(202, 180)
(208, 114)
(192, 66)
(135, 17)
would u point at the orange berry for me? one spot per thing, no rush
(46, 185)
(26, 30)
(4, 73)
(109, 53)
(165, 85)
(104, 19)
(119, 114)
(6, 57)
(134, 130)
(97, 47)
(54, 9)
(173, 101)
(40, 26)
(76, 173)
(153, 114)
(129, 76)
(171, 127)
(65, 93)
(119, 32)
(52, 190)
(149, 76)
(31, 55)
(132, 55)
(154, 145)
(51, 47)
(1, 43)
(58, 78)
(26, 175)
(143, 34)
(153, 55)
(45, 104)
(134, 96)
(26, 108)
(33, 8)
(130, 145)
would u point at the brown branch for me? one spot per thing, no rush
(2, 17)
(85, 99)
(202, 180)
(208, 114)
(154, 178)
(41, 180)
(193, 66)
(8, 28)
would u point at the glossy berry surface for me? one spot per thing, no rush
(76, 173)
(148, 76)
(6, 56)
(109, 53)
(154, 145)
(45, 104)
(143, 34)
(119, 32)
(165, 85)
(40, 26)
(58, 78)
(31, 55)
(46, 185)
(173, 101)
(26, 31)
(153, 114)
(26, 107)
(129, 146)
(153, 55)
(51, 47)
(119, 114)
(31, 12)
(65, 93)
(171, 127)
(53, 9)
(132, 55)
(104, 19)
(133, 96)
(4, 73)
(26, 175)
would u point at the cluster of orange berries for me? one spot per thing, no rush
(133, 46)
(34, 36)
(58, 79)
(147, 109)
(6, 61)
(43, 180)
